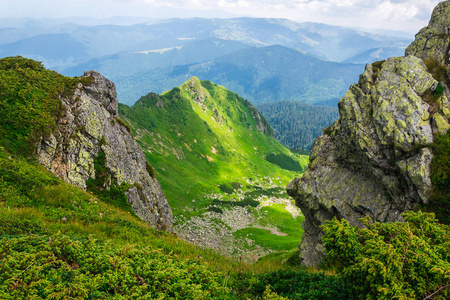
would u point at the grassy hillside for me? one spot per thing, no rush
(217, 169)
(59, 242)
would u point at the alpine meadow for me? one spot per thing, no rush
(178, 156)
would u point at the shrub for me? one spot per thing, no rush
(60, 267)
(124, 124)
(29, 102)
(440, 177)
(150, 169)
(301, 284)
(285, 162)
(402, 260)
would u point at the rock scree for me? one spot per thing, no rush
(89, 125)
(375, 160)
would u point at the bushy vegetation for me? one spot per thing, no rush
(284, 161)
(57, 266)
(58, 242)
(440, 170)
(301, 284)
(29, 102)
(297, 124)
(401, 260)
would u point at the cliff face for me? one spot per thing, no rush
(90, 125)
(375, 160)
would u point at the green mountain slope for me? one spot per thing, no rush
(59, 242)
(296, 125)
(217, 162)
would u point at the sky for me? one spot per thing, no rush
(402, 15)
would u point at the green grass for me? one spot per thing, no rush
(59, 242)
(29, 102)
(202, 140)
(440, 170)
(194, 147)
(275, 216)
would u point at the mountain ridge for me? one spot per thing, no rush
(221, 169)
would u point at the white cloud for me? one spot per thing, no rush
(395, 11)
(395, 14)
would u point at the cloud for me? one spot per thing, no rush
(397, 14)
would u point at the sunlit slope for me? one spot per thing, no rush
(200, 135)
(222, 171)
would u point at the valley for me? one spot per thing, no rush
(220, 168)
(241, 158)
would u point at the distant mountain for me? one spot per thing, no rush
(376, 54)
(157, 54)
(52, 49)
(257, 74)
(324, 41)
(295, 124)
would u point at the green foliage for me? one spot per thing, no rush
(226, 188)
(402, 260)
(438, 70)
(124, 124)
(284, 162)
(29, 102)
(60, 267)
(440, 177)
(301, 284)
(246, 202)
(150, 169)
(297, 124)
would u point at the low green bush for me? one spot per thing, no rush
(285, 162)
(60, 267)
(29, 102)
(301, 284)
(401, 260)
(440, 177)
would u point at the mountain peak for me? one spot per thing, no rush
(433, 41)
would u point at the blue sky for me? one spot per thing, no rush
(406, 15)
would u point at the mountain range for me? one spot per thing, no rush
(166, 50)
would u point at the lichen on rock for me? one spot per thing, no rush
(90, 125)
(375, 160)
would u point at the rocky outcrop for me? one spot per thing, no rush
(375, 160)
(90, 126)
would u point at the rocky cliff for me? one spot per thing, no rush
(90, 127)
(375, 160)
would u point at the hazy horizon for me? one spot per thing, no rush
(397, 15)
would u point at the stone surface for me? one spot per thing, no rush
(433, 41)
(375, 160)
(90, 124)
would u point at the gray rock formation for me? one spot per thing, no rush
(89, 125)
(375, 160)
